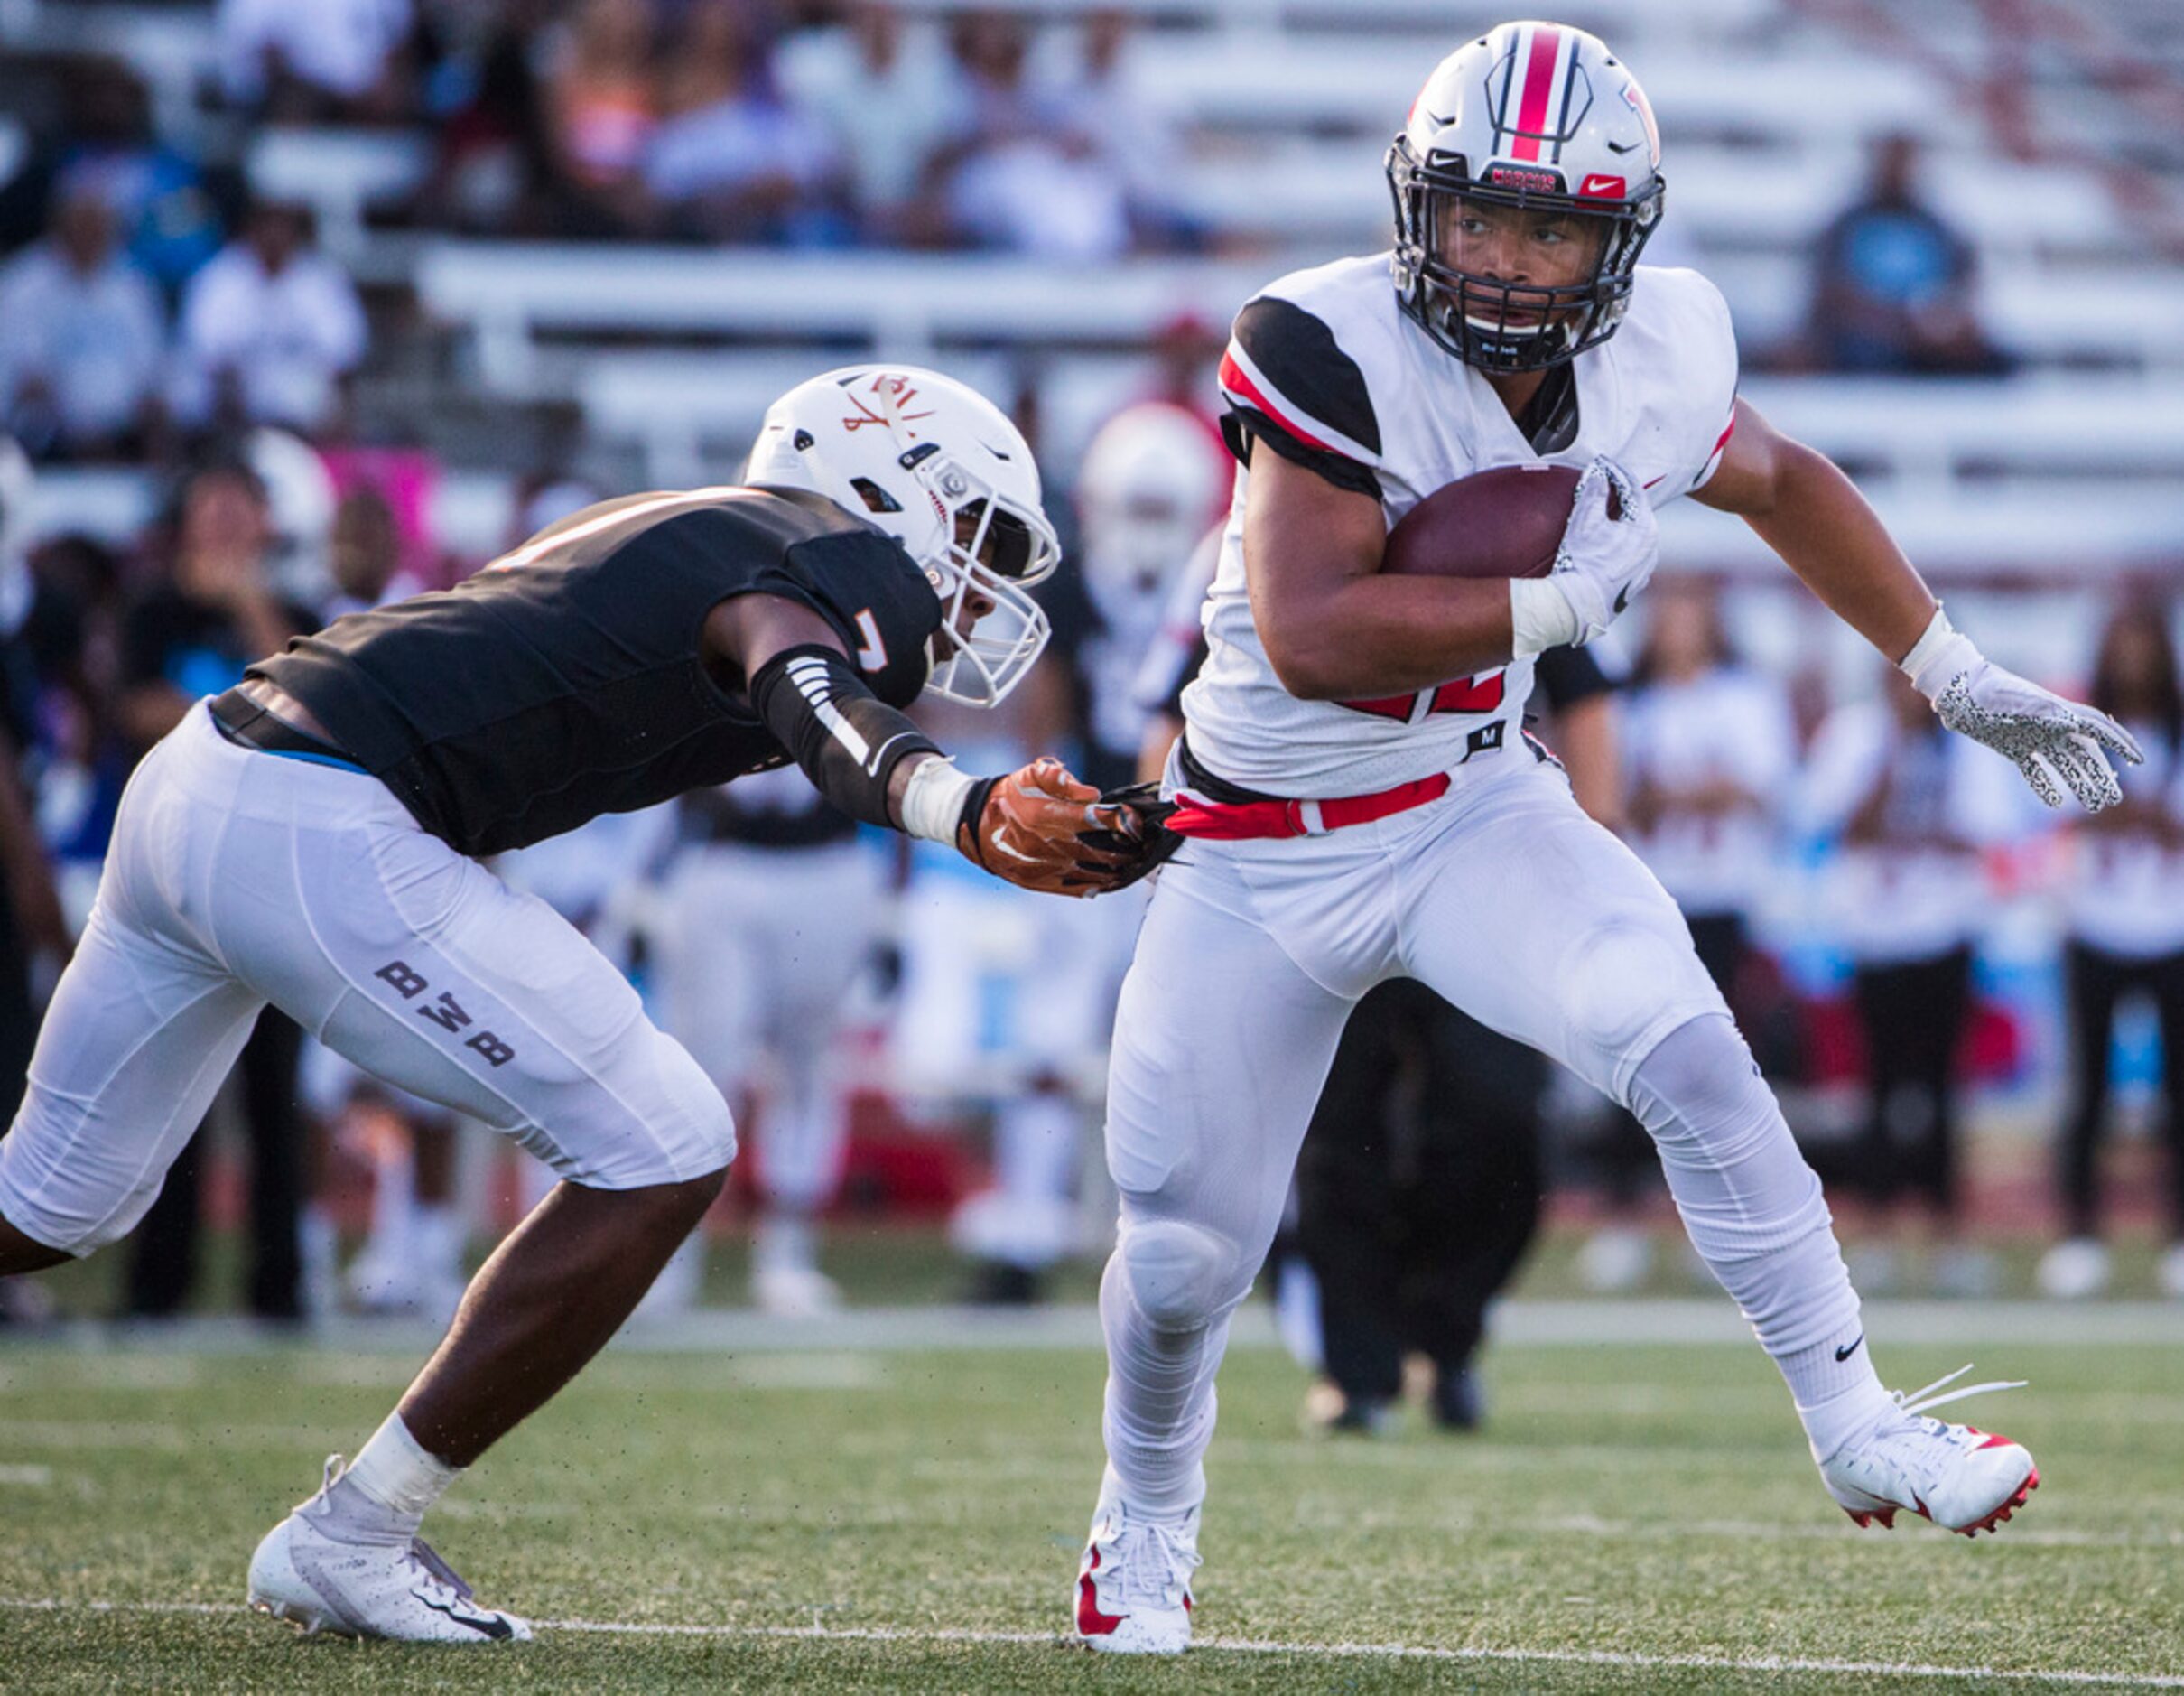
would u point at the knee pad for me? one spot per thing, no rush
(1179, 1274)
(1619, 979)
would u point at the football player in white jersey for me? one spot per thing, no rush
(1363, 806)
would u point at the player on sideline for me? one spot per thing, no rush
(309, 839)
(1416, 835)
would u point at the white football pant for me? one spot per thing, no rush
(237, 878)
(1507, 900)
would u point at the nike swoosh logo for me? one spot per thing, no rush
(1623, 147)
(486, 1624)
(1844, 1354)
(880, 753)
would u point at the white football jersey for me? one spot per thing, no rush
(1325, 368)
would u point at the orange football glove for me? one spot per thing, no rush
(1042, 829)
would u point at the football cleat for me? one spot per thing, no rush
(385, 1588)
(1134, 1587)
(1956, 1476)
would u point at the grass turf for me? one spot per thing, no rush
(1652, 1502)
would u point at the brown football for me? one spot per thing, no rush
(1506, 522)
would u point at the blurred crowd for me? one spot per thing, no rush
(152, 298)
(1843, 864)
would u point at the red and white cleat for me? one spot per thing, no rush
(1134, 1587)
(1956, 1476)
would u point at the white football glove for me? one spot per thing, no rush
(1603, 562)
(2056, 743)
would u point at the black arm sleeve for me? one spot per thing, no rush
(848, 739)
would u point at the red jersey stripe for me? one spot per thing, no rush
(1539, 84)
(1236, 382)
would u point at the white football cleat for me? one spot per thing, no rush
(385, 1588)
(1957, 1475)
(1134, 1587)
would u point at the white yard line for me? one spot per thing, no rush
(1629, 1660)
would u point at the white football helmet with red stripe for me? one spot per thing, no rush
(1540, 118)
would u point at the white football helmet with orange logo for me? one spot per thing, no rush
(1536, 117)
(938, 467)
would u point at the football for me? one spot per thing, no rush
(1506, 522)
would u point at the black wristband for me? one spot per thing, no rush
(967, 822)
(847, 739)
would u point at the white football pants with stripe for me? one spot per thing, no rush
(1506, 899)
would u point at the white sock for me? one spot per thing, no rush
(395, 1475)
(1839, 1395)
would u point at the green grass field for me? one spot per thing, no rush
(1638, 1518)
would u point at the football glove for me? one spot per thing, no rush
(2058, 744)
(1041, 829)
(1609, 547)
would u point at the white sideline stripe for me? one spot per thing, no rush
(1619, 1658)
(1681, 1321)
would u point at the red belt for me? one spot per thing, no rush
(1247, 821)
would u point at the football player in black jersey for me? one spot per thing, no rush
(311, 839)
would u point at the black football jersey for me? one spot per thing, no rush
(566, 679)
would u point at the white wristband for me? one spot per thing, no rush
(1540, 615)
(1937, 657)
(933, 799)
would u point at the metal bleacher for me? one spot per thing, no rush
(1282, 109)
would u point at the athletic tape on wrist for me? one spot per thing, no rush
(1540, 616)
(1941, 641)
(933, 799)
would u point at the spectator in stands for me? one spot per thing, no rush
(70, 635)
(494, 172)
(82, 338)
(732, 161)
(31, 915)
(188, 637)
(881, 88)
(169, 209)
(344, 61)
(1018, 173)
(364, 555)
(1912, 809)
(270, 331)
(2124, 912)
(1709, 754)
(602, 107)
(1895, 280)
(1102, 102)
